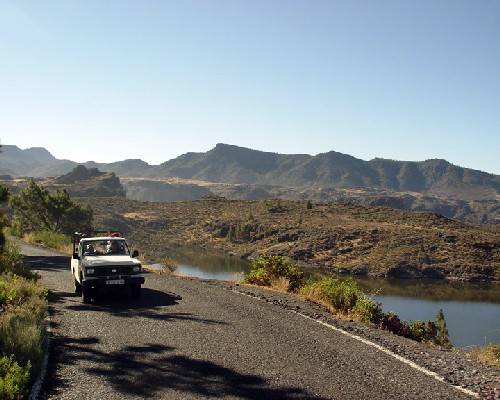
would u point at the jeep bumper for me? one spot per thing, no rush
(112, 281)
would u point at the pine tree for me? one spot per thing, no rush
(36, 209)
(443, 339)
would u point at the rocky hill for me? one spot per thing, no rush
(154, 190)
(16, 162)
(80, 182)
(232, 164)
(240, 173)
(238, 165)
(342, 237)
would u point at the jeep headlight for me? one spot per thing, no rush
(136, 269)
(89, 271)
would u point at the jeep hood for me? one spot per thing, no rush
(110, 260)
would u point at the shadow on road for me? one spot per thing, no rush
(146, 371)
(48, 263)
(117, 302)
(150, 305)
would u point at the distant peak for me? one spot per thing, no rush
(223, 146)
(40, 154)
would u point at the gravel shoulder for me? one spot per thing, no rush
(188, 338)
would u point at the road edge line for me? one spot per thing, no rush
(37, 386)
(376, 346)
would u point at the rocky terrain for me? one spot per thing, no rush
(83, 182)
(341, 237)
(80, 182)
(176, 189)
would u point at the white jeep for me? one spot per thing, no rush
(104, 261)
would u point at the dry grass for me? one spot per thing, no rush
(237, 277)
(488, 355)
(57, 241)
(281, 284)
(169, 265)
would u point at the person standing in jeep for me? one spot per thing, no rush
(104, 262)
(115, 247)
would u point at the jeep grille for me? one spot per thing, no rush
(115, 270)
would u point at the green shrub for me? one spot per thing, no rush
(442, 336)
(14, 379)
(268, 269)
(417, 330)
(23, 337)
(23, 304)
(53, 240)
(11, 261)
(341, 295)
(429, 332)
(368, 310)
(423, 331)
(6, 294)
(22, 295)
(258, 277)
(433, 332)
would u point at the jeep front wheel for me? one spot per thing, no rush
(86, 297)
(78, 287)
(135, 291)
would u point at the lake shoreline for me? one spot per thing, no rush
(341, 237)
(411, 299)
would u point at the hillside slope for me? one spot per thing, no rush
(80, 182)
(232, 164)
(342, 237)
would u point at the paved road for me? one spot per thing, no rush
(191, 339)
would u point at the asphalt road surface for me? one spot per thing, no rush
(192, 339)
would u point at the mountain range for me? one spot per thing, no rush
(238, 172)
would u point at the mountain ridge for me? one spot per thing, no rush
(240, 173)
(234, 165)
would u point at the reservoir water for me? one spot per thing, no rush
(471, 310)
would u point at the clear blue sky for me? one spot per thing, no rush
(110, 80)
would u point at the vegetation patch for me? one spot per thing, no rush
(340, 296)
(14, 379)
(47, 219)
(269, 270)
(23, 303)
(488, 355)
(343, 298)
(168, 266)
(53, 240)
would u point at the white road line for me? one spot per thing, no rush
(377, 346)
(37, 386)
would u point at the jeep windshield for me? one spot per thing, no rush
(99, 247)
